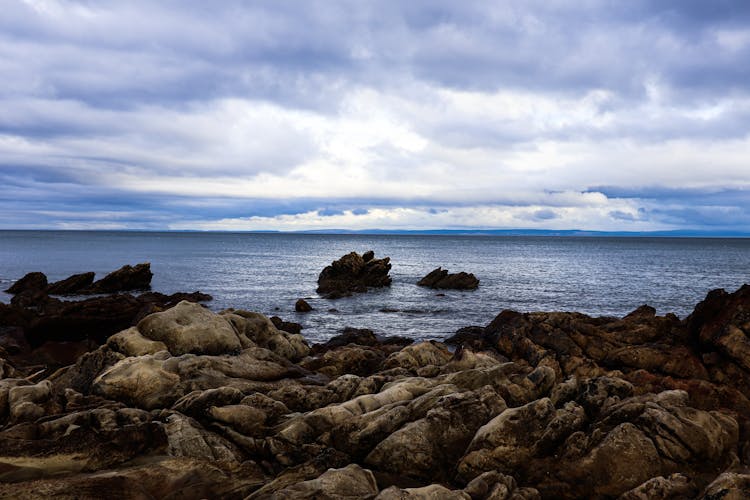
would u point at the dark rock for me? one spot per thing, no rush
(32, 282)
(125, 279)
(287, 326)
(352, 274)
(350, 335)
(368, 256)
(71, 285)
(472, 337)
(440, 278)
(302, 306)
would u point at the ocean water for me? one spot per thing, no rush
(269, 272)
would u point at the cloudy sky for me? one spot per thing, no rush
(240, 115)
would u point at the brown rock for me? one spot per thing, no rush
(71, 285)
(302, 306)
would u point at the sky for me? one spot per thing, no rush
(597, 115)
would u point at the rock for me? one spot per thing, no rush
(140, 381)
(440, 278)
(433, 491)
(71, 285)
(427, 448)
(472, 337)
(302, 306)
(730, 485)
(259, 330)
(352, 274)
(126, 278)
(191, 328)
(32, 282)
(130, 342)
(287, 326)
(674, 486)
(351, 482)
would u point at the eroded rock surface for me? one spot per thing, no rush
(190, 403)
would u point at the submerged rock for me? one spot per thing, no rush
(302, 306)
(352, 273)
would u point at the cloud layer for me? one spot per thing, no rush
(404, 115)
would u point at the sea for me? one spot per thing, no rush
(268, 272)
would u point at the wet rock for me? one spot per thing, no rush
(302, 306)
(126, 278)
(32, 282)
(441, 278)
(76, 283)
(352, 274)
(287, 326)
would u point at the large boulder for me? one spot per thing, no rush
(191, 328)
(352, 273)
(441, 278)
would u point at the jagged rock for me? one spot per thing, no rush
(302, 306)
(76, 283)
(441, 278)
(191, 328)
(259, 330)
(32, 282)
(427, 448)
(353, 274)
(126, 278)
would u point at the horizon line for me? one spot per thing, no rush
(675, 233)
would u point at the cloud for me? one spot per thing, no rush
(313, 114)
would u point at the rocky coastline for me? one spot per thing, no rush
(159, 397)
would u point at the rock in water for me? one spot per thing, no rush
(440, 278)
(71, 285)
(352, 273)
(32, 282)
(126, 278)
(301, 306)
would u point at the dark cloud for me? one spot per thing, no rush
(96, 95)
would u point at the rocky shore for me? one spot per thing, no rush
(182, 402)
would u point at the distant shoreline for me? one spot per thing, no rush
(569, 233)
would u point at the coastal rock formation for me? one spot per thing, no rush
(440, 278)
(354, 273)
(190, 403)
(125, 279)
(75, 284)
(37, 329)
(302, 306)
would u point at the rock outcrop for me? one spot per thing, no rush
(354, 273)
(190, 403)
(441, 279)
